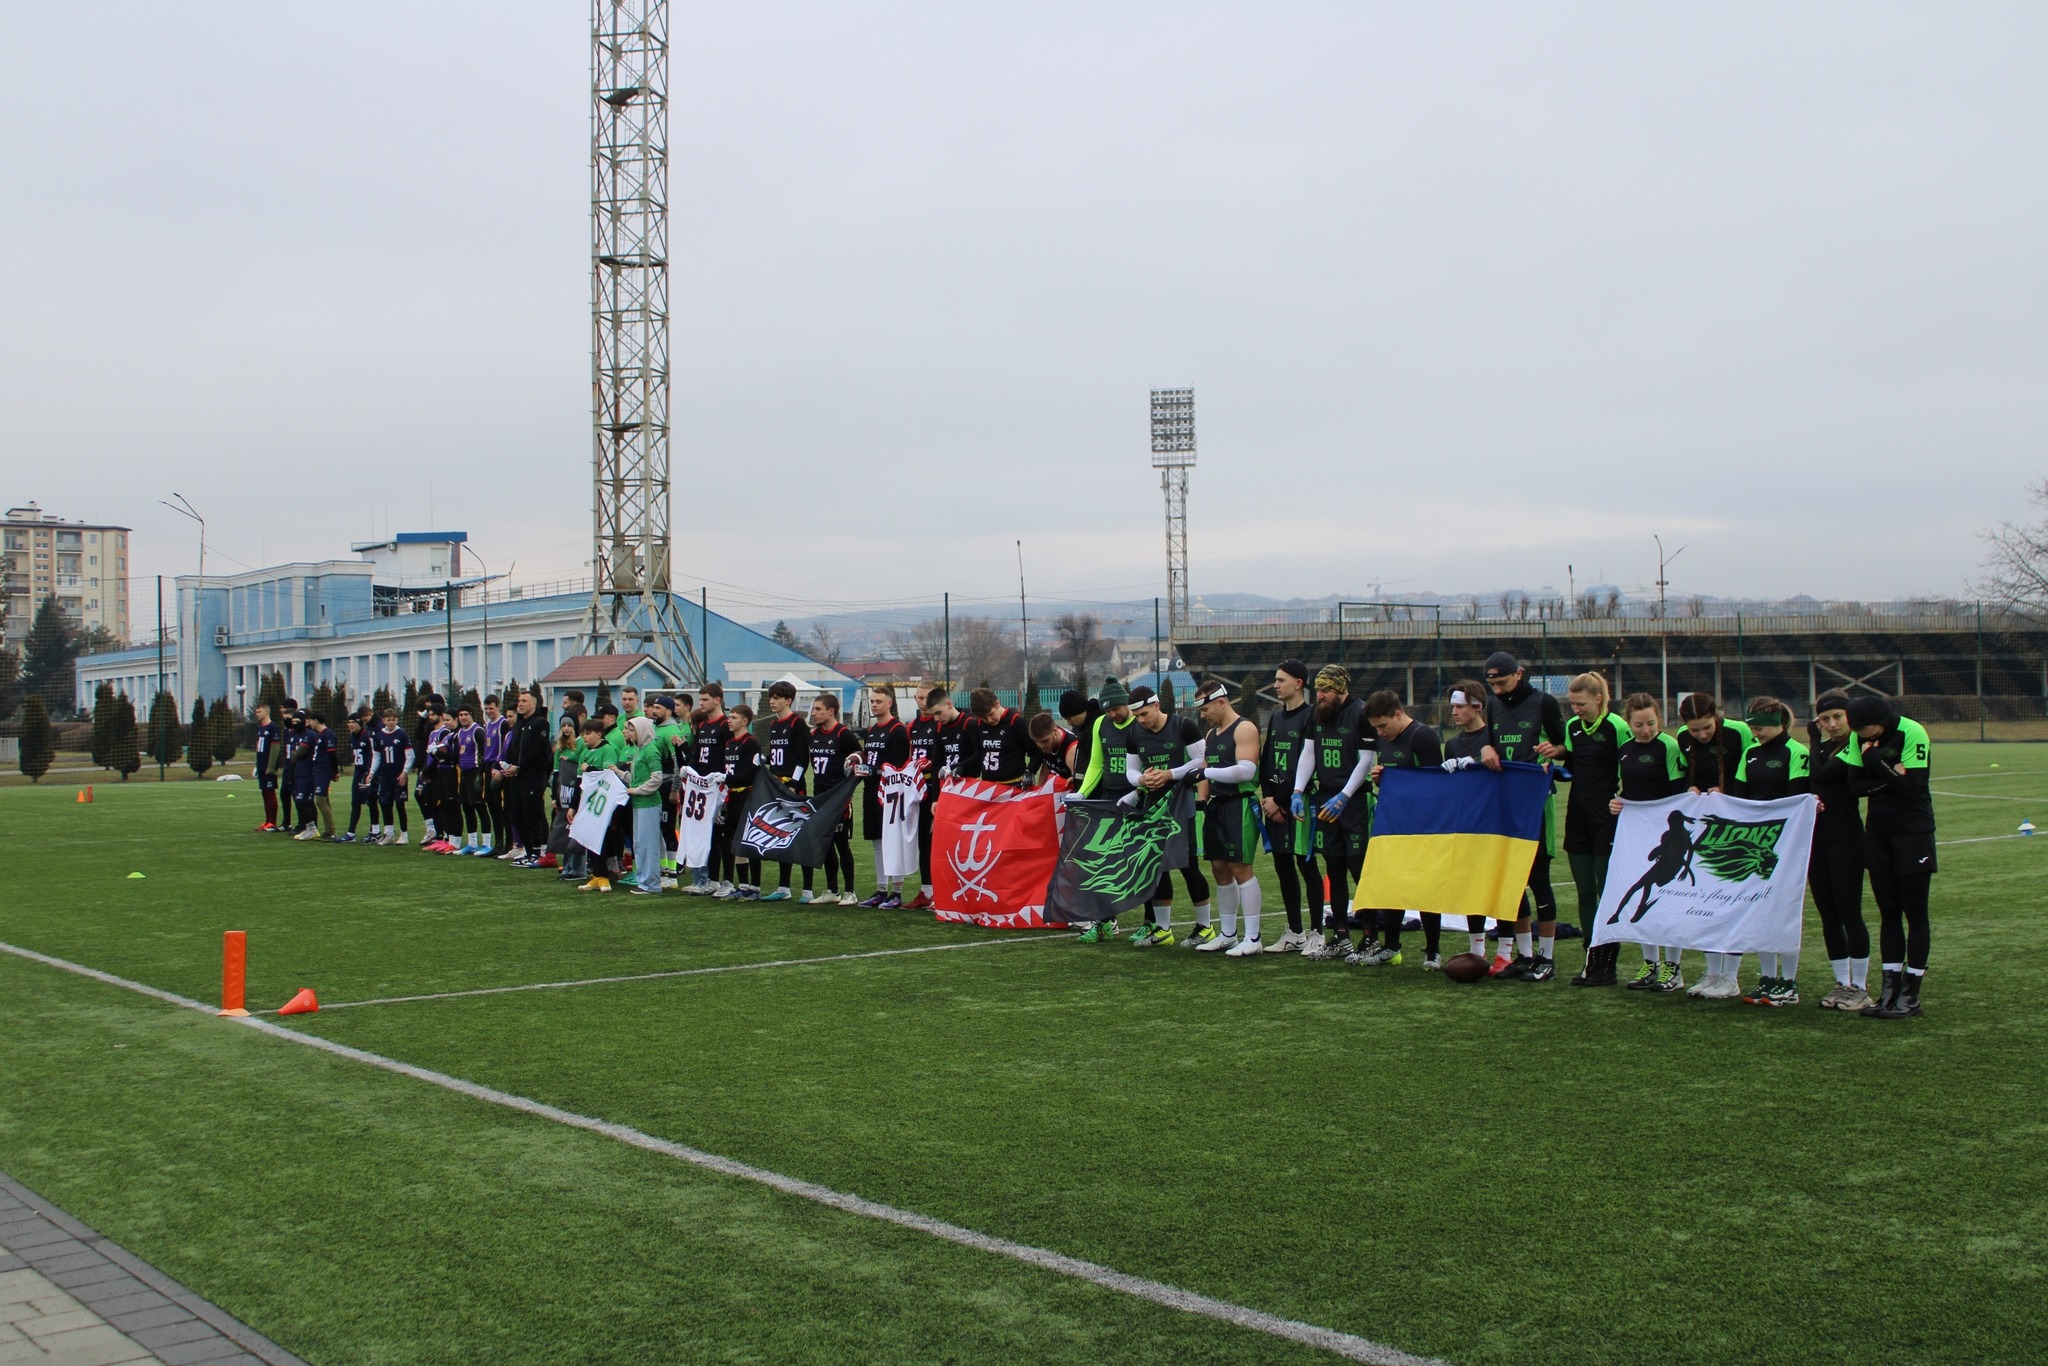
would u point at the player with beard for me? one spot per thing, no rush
(788, 758)
(1055, 744)
(935, 739)
(1077, 714)
(1230, 819)
(1335, 760)
(1163, 750)
(1525, 723)
(835, 752)
(1404, 743)
(886, 741)
(1286, 732)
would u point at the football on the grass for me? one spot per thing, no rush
(1465, 967)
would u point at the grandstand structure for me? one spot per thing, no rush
(1947, 661)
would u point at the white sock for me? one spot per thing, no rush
(1248, 904)
(1546, 946)
(1840, 967)
(1478, 944)
(1162, 916)
(1226, 907)
(1672, 955)
(1649, 953)
(376, 830)
(1788, 966)
(1894, 967)
(1523, 945)
(1859, 972)
(926, 887)
(1202, 913)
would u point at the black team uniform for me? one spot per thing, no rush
(1416, 747)
(1711, 766)
(1835, 873)
(1279, 753)
(1056, 763)
(742, 763)
(531, 751)
(884, 742)
(1594, 755)
(831, 747)
(998, 750)
(1522, 719)
(707, 748)
(1331, 755)
(1652, 771)
(1898, 847)
(361, 754)
(268, 751)
(937, 746)
(789, 758)
(1166, 749)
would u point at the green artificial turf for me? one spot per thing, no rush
(1497, 1172)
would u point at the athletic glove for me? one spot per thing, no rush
(1453, 765)
(1334, 807)
(1297, 806)
(1129, 801)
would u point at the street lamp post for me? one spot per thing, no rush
(185, 509)
(1663, 631)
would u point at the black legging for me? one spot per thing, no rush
(1342, 869)
(1539, 888)
(472, 801)
(1287, 869)
(926, 815)
(838, 855)
(494, 812)
(1198, 885)
(1432, 930)
(1902, 932)
(1835, 877)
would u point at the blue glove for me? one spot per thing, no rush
(1298, 807)
(1334, 807)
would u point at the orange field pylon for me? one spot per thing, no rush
(88, 792)
(234, 963)
(305, 1003)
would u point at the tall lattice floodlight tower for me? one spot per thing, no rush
(630, 604)
(1173, 455)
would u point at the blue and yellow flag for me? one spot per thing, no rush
(1454, 843)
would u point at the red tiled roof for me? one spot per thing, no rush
(595, 669)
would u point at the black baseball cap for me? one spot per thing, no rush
(1500, 664)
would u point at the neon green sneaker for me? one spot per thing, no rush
(1093, 934)
(1199, 935)
(1162, 938)
(1142, 936)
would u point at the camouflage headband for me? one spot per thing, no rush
(1333, 678)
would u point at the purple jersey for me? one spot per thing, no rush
(468, 740)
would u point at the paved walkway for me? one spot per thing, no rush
(69, 1297)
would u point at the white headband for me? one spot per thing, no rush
(1461, 699)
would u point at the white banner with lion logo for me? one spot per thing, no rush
(1704, 871)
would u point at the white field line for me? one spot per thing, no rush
(1982, 839)
(1985, 796)
(677, 972)
(1346, 1345)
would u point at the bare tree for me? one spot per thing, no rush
(981, 649)
(1081, 634)
(823, 648)
(1695, 606)
(2016, 565)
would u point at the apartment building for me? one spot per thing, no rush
(84, 565)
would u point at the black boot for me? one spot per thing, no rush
(1886, 1006)
(1599, 970)
(1909, 996)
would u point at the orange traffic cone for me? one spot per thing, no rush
(305, 1003)
(81, 796)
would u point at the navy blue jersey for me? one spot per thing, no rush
(321, 755)
(389, 749)
(267, 757)
(360, 751)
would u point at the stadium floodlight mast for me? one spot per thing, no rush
(630, 603)
(1173, 455)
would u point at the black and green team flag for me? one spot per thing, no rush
(1111, 858)
(784, 826)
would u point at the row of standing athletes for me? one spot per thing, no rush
(1302, 789)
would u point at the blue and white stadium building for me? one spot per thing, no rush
(385, 617)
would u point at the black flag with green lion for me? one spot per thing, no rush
(1111, 857)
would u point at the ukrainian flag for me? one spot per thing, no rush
(1454, 843)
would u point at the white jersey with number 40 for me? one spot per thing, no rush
(902, 796)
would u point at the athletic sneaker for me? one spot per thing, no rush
(876, 900)
(1320, 947)
(920, 902)
(346, 837)
(848, 899)
(1787, 993)
(1760, 997)
(1245, 948)
(403, 836)
(1855, 1000)
(1142, 936)
(892, 902)
(596, 884)
(1374, 956)
(1721, 988)
(748, 893)
(1539, 969)
(1294, 941)
(265, 828)
(1500, 965)
(1093, 934)
(668, 884)
(1517, 967)
(806, 898)
(515, 852)
(1201, 936)
(779, 894)
(485, 851)
(1670, 977)
(1163, 938)
(1647, 978)
(637, 890)
(1217, 943)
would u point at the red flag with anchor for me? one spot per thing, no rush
(993, 851)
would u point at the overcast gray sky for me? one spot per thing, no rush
(1466, 293)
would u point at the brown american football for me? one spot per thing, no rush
(1465, 967)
